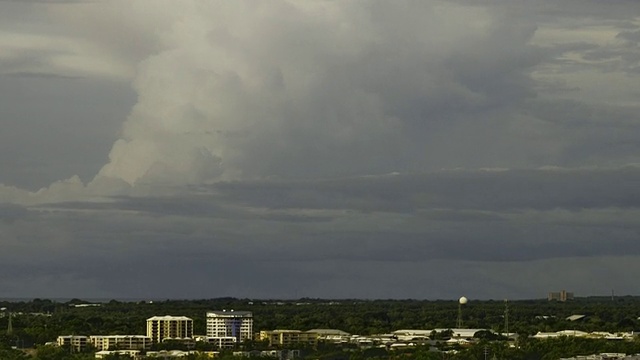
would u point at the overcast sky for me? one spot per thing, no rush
(334, 149)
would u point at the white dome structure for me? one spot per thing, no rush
(463, 300)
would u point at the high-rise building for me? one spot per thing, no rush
(229, 323)
(169, 327)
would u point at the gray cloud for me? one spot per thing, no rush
(494, 190)
(356, 227)
(550, 11)
(12, 212)
(414, 149)
(50, 135)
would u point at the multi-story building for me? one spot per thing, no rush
(75, 342)
(160, 328)
(120, 342)
(563, 295)
(237, 324)
(288, 338)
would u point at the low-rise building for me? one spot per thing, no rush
(75, 342)
(592, 335)
(410, 334)
(289, 338)
(170, 354)
(278, 354)
(333, 336)
(102, 354)
(121, 342)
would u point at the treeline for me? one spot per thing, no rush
(42, 320)
(524, 349)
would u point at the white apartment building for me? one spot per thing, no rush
(120, 342)
(229, 323)
(169, 327)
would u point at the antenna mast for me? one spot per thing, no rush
(9, 326)
(506, 317)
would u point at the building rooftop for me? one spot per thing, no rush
(279, 331)
(229, 313)
(329, 332)
(120, 336)
(576, 317)
(168, 317)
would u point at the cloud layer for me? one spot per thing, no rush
(349, 149)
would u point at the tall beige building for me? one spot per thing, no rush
(169, 327)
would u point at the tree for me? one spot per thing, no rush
(10, 354)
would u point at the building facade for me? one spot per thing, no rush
(222, 342)
(229, 323)
(160, 328)
(75, 342)
(120, 342)
(118, 354)
(563, 295)
(289, 338)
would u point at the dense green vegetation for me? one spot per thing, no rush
(40, 320)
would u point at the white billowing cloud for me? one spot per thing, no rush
(315, 89)
(72, 189)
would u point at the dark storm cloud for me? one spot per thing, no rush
(518, 215)
(138, 256)
(373, 230)
(11, 212)
(489, 190)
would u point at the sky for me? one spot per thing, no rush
(327, 149)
